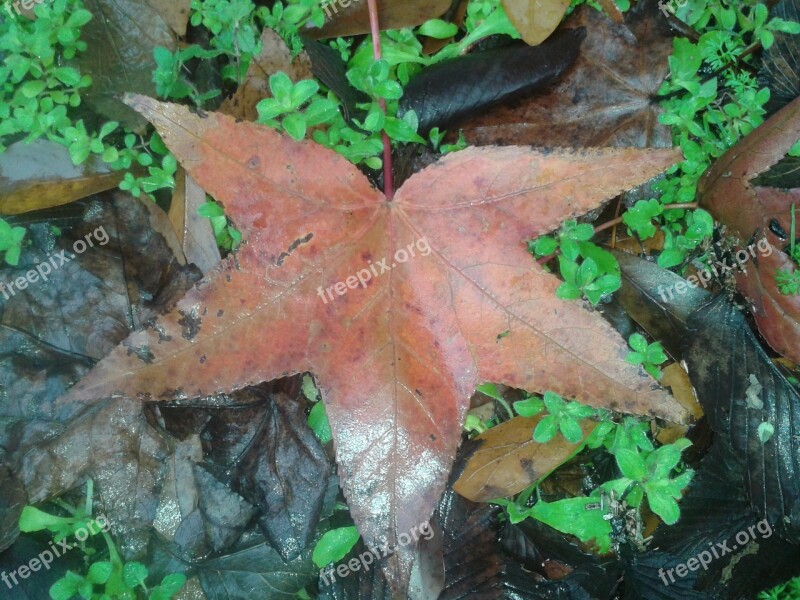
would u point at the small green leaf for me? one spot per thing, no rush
(318, 421)
(436, 28)
(546, 245)
(765, 432)
(334, 545)
(99, 572)
(664, 506)
(210, 210)
(571, 516)
(295, 125)
(33, 519)
(31, 89)
(631, 464)
(134, 574)
(570, 429)
(66, 587)
(303, 91)
(546, 429)
(281, 87)
(529, 407)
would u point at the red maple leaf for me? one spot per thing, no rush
(396, 307)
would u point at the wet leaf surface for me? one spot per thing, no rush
(723, 382)
(255, 567)
(284, 472)
(535, 21)
(121, 37)
(12, 501)
(53, 331)
(604, 99)
(174, 12)
(448, 92)
(780, 69)
(508, 459)
(352, 18)
(41, 175)
(714, 510)
(436, 343)
(650, 296)
(754, 214)
(194, 233)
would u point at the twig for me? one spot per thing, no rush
(614, 222)
(618, 220)
(375, 30)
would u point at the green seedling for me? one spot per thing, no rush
(649, 356)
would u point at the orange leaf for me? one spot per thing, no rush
(396, 307)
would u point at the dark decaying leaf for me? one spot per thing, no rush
(226, 515)
(649, 296)
(760, 217)
(37, 585)
(423, 337)
(255, 570)
(780, 72)
(154, 488)
(604, 99)
(284, 472)
(714, 510)
(54, 330)
(780, 64)
(739, 390)
(12, 501)
(448, 92)
(328, 67)
(365, 584)
(40, 174)
(121, 37)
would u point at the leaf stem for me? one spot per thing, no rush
(375, 30)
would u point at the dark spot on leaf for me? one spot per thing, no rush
(203, 359)
(220, 312)
(293, 247)
(227, 278)
(253, 162)
(433, 438)
(190, 323)
(143, 353)
(528, 466)
(776, 228)
(162, 334)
